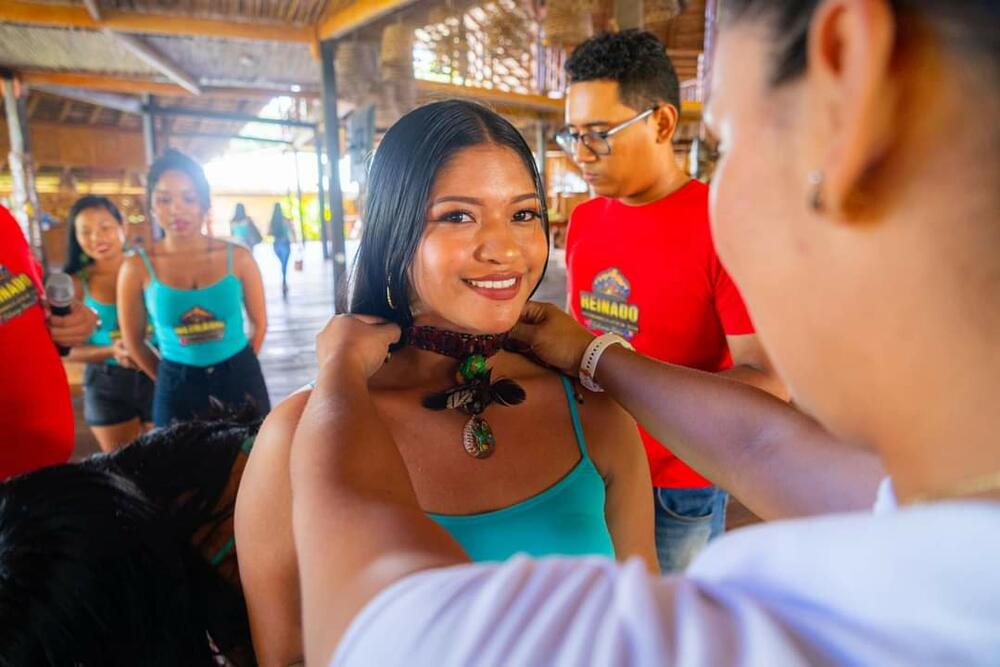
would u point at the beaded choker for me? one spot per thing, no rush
(475, 389)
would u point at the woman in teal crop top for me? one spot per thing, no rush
(193, 290)
(456, 238)
(117, 396)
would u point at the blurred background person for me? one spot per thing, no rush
(36, 413)
(243, 229)
(283, 233)
(193, 290)
(128, 558)
(117, 396)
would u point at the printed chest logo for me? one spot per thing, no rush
(606, 307)
(199, 325)
(17, 294)
(116, 333)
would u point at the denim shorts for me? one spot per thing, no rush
(114, 395)
(186, 392)
(686, 519)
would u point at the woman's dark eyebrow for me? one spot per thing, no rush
(524, 197)
(479, 202)
(456, 198)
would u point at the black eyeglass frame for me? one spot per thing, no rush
(567, 139)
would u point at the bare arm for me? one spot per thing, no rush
(778, 461)
(752, 366)
(616, 448)
(253, 295)
(357, 525)
(90, 354)
(132, 316)
(264, 543)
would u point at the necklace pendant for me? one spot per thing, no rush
(477, 437)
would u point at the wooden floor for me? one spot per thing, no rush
(288, 356)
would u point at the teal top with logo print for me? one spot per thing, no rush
(197, 327)
(107, 331)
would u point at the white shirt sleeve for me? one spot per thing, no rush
(842, 590)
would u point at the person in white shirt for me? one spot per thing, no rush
(865, 240)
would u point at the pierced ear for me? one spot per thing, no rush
(666, 118)
(851, 44)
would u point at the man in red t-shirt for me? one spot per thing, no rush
(36, 415)
(640, 257)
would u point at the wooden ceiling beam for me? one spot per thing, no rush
(434, 90)
(136, 86)
(350, 17)
(77, 16)
(124, 103)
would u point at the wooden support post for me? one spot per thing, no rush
(331, 131)
(541, 145)
(298, 195)
(24, 196)
(148, 128)
(321, 191)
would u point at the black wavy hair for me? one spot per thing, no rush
(402, 174)
(76, 258)
(969, 26)
(635, 59)
(277, 228)
(240, 212)
(101, 562)
(174, 160)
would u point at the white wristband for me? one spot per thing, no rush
(588, 365)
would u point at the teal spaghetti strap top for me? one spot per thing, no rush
(107, 325)
(567, 519)
(107, 331)
(197, 327)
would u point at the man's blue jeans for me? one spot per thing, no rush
(686, 519)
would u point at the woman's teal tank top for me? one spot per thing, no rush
(107, 331)
(566, 519)
(197, 327)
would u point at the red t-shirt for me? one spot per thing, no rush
(650, 274)
(36, 414)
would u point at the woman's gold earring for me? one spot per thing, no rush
(816, 192)
(388, 298)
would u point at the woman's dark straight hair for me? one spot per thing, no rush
(76, 258)
(103, 562)
(240, 212)
(402, 174)
(968, 26)
(277, 228)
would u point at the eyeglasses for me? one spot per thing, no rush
(595, 141)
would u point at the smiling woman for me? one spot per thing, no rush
(117, 396)
(506, 461)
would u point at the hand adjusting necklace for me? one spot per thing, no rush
(475, 390)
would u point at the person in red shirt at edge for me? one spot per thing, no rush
(36, 414)
(640, 257)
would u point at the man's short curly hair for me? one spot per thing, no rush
(637, 60)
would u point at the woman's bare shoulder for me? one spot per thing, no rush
(276, 431)
(265, 478)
